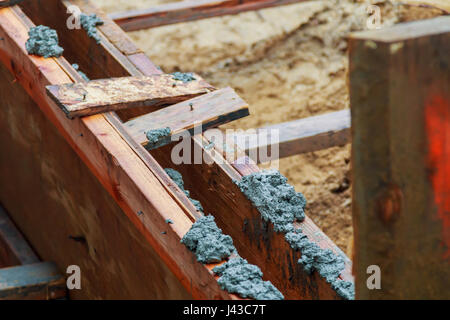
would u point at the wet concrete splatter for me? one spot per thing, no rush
(43, 41)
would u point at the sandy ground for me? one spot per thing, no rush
(288, 63)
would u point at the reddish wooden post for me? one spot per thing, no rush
(400, 104)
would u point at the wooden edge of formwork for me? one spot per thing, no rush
(100, 145)
(22, 275)
(295, 137)
(36, 281)
(142, 65)
(188, 10)
(14, 249)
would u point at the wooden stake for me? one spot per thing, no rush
(400, 104)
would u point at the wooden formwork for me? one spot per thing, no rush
(96, 198)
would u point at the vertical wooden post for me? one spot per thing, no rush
(400, 104)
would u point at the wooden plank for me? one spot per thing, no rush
(8, 3)
(122, 174)
(14, 249)
(443, 5)
(37, 281)
(97, 96)
(400, 102)
(295, 137)
(195, 115)
(189, 10)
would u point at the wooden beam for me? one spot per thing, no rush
(201, 113)
(37, 281)
(114, 163)
(443, 5)
(189, 10)
(8, 3)
(14, 249)
(295, 137)
(97, 96)
(400, 104)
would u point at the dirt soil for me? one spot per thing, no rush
(287, 62)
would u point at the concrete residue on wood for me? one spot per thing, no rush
(276, 200)
(81, 73)
(238, 276)
(157, 138)
(178, 179)
(324, 261)
(278, 203)
(183, 76)
(89, 23)
(207, 241)
(43, 41)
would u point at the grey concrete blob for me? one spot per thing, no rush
(81, 73)
(278, 203)
(89, 23)
(207, 241)
(238, 276)
(276, 200)
(183, 76)
(178, 179)
(157, 138)
(43, 42)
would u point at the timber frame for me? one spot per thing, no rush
(104, 199)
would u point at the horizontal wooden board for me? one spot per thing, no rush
(37, 281)
(189, 10)
(197, 114)
(82, 99)
(405, 31)
(7, 3)
(14, 249)
(295, 137)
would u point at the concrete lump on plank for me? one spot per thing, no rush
(89, 23)
(276, 200)
(43, 41)
(238, 276)
(328, 264)
(157, 138)
(278, 203)
(207, 241)
(324, 261)
(81, 73)
(178, 179)
(183, 76)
